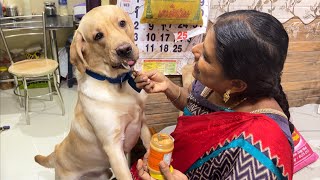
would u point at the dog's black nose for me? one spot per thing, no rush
(124, 50)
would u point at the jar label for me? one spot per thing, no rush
(167, 158)
(155, 157)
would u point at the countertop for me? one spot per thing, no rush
(52, 22)
(59, 22)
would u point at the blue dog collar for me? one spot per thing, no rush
(118, 80)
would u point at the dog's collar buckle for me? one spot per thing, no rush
(121, 82)
(118, 80)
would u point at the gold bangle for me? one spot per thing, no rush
(178, 95)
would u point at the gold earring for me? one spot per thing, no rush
(226, 96)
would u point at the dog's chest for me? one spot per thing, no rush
(124, 119)
(111, 108)
(111, 93)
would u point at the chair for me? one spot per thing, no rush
(30, 70)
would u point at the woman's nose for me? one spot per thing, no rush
(197, 50)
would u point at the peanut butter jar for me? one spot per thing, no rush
(161, 146)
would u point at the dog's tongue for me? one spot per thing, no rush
(131, 62)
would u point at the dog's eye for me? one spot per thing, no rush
(98, 36)
(122, 23)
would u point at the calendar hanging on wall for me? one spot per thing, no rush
(165, 47)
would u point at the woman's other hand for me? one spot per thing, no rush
(152, 81)
(164, 168)
(175, 175)
(143, 171)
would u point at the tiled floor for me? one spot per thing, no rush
(22, 142)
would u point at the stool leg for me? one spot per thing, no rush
(26, 100)
(50, 87)
(58, 92)
(18, 90)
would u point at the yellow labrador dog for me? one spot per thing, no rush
(109, 114)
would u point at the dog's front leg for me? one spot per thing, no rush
(145, 135)
(118, 161)
(111, 136)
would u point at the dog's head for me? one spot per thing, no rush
(104, 42)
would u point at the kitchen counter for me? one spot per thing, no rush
(57, 22)
(52, 22)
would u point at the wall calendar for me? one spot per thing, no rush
(165, 47)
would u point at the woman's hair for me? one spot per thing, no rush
(252, 46)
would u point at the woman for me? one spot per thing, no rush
(236, 116)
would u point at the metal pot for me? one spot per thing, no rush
(12, 11)
(50, 9)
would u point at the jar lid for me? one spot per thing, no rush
(49, 3)
(162, 141)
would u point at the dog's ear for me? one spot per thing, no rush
(76, 52)
(131, 26)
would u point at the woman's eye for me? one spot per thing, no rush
(122, 23)
(98, 36)
(204, 58)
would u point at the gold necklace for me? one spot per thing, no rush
(206, 92)
(269, 110)
(237, 103)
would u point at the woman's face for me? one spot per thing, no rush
(207, 69)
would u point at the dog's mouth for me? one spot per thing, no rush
(125, 65)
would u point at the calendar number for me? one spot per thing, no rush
(151, 36)
(164, 37)
(136, 11)
(182, 26)
(201, 2)
(136, 25)
(182, 35)
(150, 47)
(177, 48)
(151, 26)
(165, 25)
(136, 37)
(164, 47)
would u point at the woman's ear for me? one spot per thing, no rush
(238, 86)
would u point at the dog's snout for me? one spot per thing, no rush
(124, 50)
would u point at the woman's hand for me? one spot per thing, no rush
(175, 175)
(143, 171)
(152, 81)
(155, 82)
(164, 168)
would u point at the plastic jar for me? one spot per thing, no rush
(63, 8)
(161, 147)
